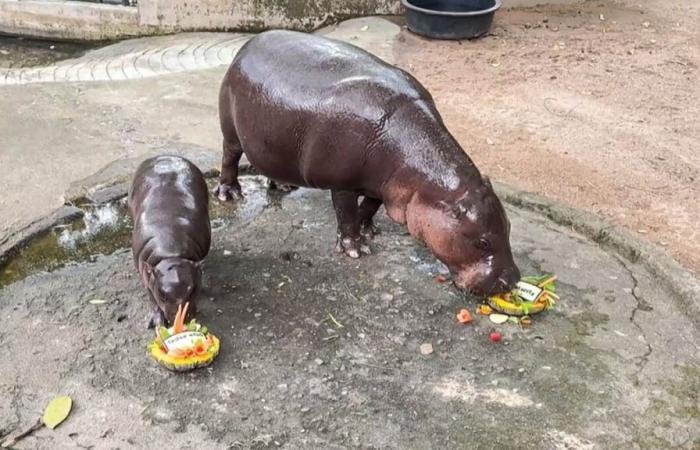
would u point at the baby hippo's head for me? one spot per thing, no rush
(174, 282)
(471, 236)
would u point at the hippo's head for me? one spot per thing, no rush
(471, 237)
(174, 282)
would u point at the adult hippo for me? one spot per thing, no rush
(311, 111)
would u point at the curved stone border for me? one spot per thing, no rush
(138, 58)
(150, 57)
(678, 280)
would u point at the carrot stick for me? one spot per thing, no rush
(182, 317)
(159, 338)
(177, 319)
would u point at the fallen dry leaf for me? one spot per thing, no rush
(57, 411)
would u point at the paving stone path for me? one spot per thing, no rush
(137, 58)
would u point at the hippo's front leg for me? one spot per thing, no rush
(156, 317)
(350, 240)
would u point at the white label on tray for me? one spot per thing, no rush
(528, 291)
(183, 340)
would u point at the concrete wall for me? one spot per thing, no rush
(255, 15)
(68, 20)
(91, 21)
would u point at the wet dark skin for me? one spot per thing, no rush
(314, 112)
(169, 203)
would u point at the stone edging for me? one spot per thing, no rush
(678, 280)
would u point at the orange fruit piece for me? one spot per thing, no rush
(484, 309)
(440, 278)
(464, 316)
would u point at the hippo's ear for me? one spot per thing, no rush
(456, 209)
(459, 209)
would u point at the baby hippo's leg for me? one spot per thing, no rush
(368, 208)
(350, 241)
(228, 187)
(156, 317)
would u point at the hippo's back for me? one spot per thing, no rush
(169, 204)
(302, 71)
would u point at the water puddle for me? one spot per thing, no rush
(102, 230)
(105, 229)
(17, 51)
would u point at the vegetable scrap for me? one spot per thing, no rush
(184, 346)
(495, 336)
(464, 316)
(533, 294)
(484, 310)
(498, 318)
(335, 322)
(440, 278)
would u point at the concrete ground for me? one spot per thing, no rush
(615, 365)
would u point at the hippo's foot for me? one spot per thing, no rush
(369, 230)
(225, 192)
(275, 186)
(156, 319)
(352, 247)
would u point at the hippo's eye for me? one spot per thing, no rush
(482, 244)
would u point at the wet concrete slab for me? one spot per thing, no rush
(321, 351)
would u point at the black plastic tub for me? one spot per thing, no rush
(450, 19)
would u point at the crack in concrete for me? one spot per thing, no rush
(16, 406)
(641, 305)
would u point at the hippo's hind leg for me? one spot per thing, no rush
(350, 241)
(275, 186)
(229, 187)
(368, 208)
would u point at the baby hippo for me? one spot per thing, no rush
(169, 204)
(310, 111)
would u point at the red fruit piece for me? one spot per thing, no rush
(495, 336)
(440, 278)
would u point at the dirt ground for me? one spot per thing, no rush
(594, 104)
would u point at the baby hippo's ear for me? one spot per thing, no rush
(456, 210)
(146, 274)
